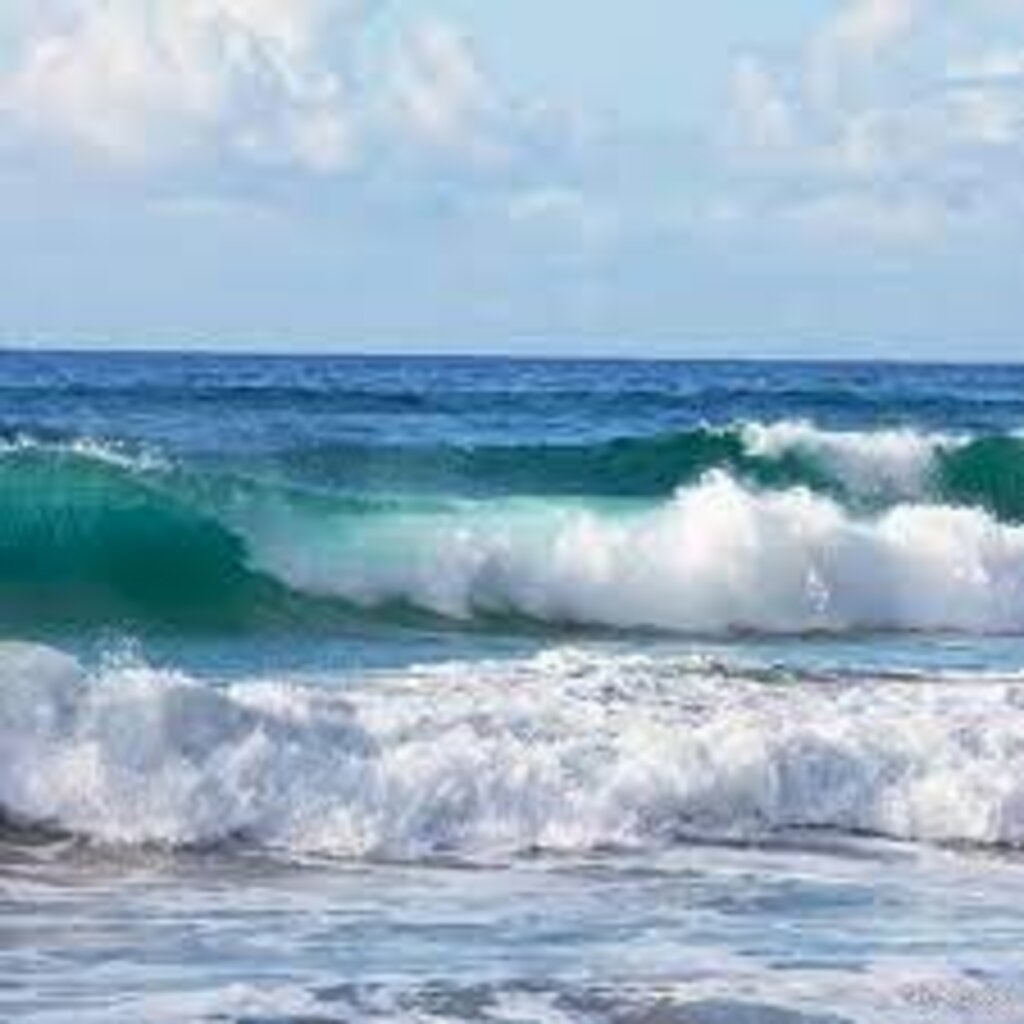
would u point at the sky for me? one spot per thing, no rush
(836, 178)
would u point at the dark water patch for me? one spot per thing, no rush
(626, 467)
(988, 472)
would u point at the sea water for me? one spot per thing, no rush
(338, 689)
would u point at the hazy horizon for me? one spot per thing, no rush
(515, 352)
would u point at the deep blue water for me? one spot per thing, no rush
(455, 689)
(198, 404)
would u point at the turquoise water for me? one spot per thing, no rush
(432, 689)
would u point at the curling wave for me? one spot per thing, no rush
(91, 536)
(570, 750)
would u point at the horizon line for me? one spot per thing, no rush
(244, 351)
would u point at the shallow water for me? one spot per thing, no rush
(824, 930)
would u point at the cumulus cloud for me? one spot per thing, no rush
(149, 83)
(863, 27)
(440, 92)
(137, 81)
(877, 105)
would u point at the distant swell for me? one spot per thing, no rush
(885, 531)
(566, 751)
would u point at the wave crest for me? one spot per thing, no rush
(718, 557)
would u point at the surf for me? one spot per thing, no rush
(101, 537)
(571, 750)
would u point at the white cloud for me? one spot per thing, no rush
(139, 81)
(440, 92)
(875, 105)
(859, 33)
(830, 110)
(864, 27)
(145, 84)
(762, 114)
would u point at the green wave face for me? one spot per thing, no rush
(989, 473)
(86, 540)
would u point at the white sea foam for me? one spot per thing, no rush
(90, 449)
(894, 463)
(568, 750)
(716, 557)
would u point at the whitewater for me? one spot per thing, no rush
(447, 690)
(565, 751)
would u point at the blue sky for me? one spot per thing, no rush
(829, 178)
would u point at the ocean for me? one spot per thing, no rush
(450, 689)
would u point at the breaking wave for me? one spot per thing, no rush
(717, 557)
(92, 535)
(570, 750)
